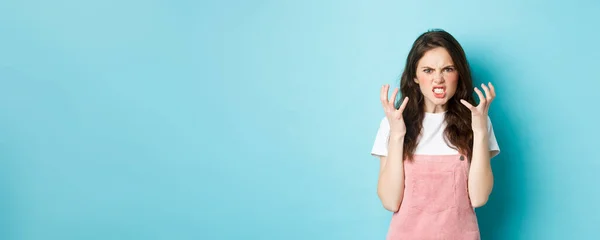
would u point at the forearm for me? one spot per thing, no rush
(390, 187)
(481, 179)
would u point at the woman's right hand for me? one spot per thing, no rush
(394, 116)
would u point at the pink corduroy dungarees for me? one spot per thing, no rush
(436, 203)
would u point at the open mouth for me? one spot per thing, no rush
(439, 92)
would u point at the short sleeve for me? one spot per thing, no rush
(493, 143)
(380, 146)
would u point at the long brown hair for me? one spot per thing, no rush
(458, 118)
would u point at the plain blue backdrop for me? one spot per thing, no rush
(254, 119)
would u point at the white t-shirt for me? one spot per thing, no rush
(431, 140)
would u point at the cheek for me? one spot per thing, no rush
(423, 81)
(452, 77)
(424, 86)
(452, 81)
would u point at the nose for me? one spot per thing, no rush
(438, 78)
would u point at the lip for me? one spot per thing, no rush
(442, 95)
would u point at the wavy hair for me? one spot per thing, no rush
(458, 133)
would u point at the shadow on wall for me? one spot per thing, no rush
(8, 201)
(9, 151)
(27, 105)
(508, 201)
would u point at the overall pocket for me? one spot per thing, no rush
(434, 192)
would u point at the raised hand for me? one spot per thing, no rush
(479, 114)
(393, 115)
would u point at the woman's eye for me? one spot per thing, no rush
(427, 70)
(449, 69)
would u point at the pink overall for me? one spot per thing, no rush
(436, 203)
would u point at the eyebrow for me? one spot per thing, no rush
(447, 66)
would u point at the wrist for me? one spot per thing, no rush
(396, 136)
(480, 135)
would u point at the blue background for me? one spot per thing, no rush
(255, 119)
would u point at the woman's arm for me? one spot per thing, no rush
(390, 186)
(481, 178)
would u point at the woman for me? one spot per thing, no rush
(435, 146)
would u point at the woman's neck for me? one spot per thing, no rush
(435, 109)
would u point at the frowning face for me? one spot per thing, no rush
(437, 78)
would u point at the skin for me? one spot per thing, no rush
(435, 69)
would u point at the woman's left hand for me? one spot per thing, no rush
(479, 114)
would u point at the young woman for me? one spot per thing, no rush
(435, 146)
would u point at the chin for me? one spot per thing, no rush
(440, 101)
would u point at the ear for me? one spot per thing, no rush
(416, 81)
